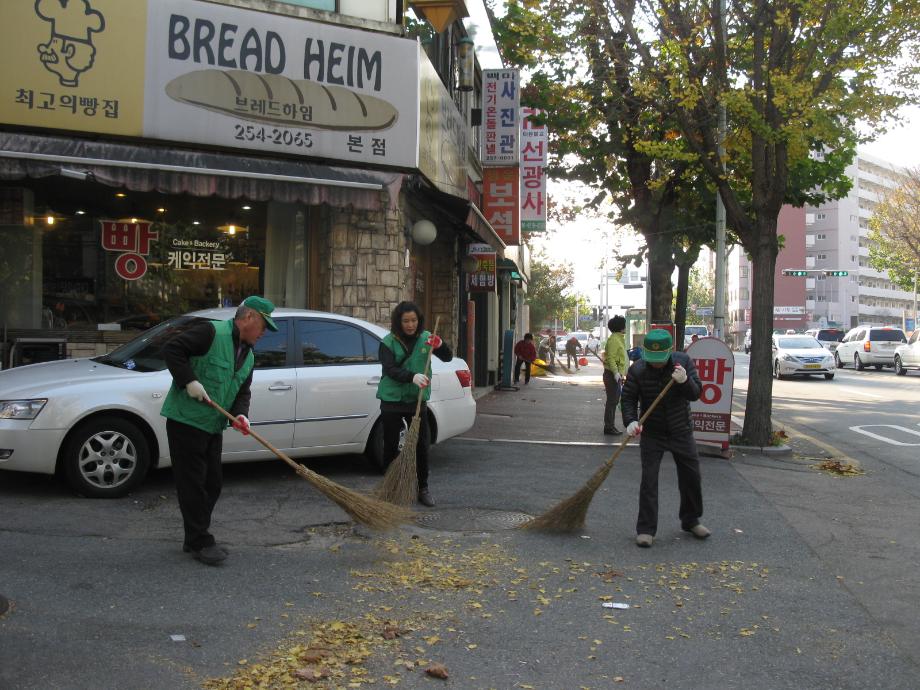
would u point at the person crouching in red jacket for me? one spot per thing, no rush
(525, 352)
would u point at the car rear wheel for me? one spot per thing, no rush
(857, 362)
(837, 360)
(899, 366)
(776, 373)
(105, 457)
(373, 451)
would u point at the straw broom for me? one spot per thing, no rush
(569, 515)
(364, 509)
(400, 483)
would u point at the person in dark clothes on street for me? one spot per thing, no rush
(668, 428)
(212, 360)
(615, 362)
(525, 353)
(572, 348)
(404, 354)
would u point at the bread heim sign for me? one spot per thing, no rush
(190, 71)
(712, 413)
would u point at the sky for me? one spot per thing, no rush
(578, 243)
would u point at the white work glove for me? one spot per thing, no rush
(634, 429)
(679, 374)
(420, 380)
(617, 376)
(197, 391)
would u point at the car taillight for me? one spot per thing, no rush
(465, 378)
(867, 346)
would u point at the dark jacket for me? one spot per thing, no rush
(643, 384)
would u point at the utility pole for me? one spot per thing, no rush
(718, 312)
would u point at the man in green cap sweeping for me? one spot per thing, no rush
(668, 428)
(211, 360)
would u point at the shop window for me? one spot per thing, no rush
(329, 342)
(271, 350)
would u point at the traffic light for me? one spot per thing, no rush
(794, 272)
(836, 274)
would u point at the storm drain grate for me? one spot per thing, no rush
(471, 519)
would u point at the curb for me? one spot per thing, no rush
(779, 451)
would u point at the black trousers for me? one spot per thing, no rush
(569, 356)
(199, 477)
(683, 448)
(613, 390)
(392, 426)
(517, 370)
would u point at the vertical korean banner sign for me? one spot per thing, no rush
(483, 278)
(501, 127)
(712, 413)
(534, 143)
(501, 202)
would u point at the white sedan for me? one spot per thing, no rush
(97, 421)
(801, 355)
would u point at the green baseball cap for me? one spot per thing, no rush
(656, 347)
(264, 307)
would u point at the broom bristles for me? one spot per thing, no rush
(569, 515)
(400, 483)
(363, 509)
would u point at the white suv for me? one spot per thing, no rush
(869, 346)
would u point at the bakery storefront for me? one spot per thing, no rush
(122, 201)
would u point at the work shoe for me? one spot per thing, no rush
(210, 555)
(188, 549)
(425, 498)
(644, 540)
(612, 432)
(699, 531)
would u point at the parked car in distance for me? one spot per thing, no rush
(800, 355)
(692, 329)
(828, 337)
(869, 346)
(97, 421)
(907, 356)
(747, 342)
(561, 340)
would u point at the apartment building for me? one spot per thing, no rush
(837, 238)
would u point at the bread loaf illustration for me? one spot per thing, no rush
(278, 100)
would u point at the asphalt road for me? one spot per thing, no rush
(809, 580)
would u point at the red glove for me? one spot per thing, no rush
(242, 425)
(435, 341)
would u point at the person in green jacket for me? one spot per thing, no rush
(404, 355)
(615, 364)
(211, 360)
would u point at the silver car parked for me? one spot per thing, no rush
(869, 346)
(907, 356)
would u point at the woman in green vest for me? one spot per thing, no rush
(404, 354)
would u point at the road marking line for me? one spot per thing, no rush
(585, 444)
(826, 447)
(856, 391)
(862, 430)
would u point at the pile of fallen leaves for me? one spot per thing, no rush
(840, 468)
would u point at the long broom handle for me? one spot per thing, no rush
(421, 391)
(296, 466)
(645, 415)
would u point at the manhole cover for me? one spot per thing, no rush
(471, 519)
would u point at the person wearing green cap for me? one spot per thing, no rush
(668, 428)
(211, 360)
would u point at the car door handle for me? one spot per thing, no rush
(373, 381)
(280, 387)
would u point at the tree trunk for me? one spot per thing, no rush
(680, 306)
(758, 429)
(660, 267)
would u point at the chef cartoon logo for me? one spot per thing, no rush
(69, 51)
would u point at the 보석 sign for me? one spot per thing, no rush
(501, 202)
(711, 414)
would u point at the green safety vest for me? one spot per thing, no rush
(391, 390)
(214, 370)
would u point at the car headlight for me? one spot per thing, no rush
(789, 358)
(21, 409)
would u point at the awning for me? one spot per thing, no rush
(483, 228)
(174, 171)
(511, 267)
(461, 211)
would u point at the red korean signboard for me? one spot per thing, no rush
(501, 204)
(132, 238)
(712, 413)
